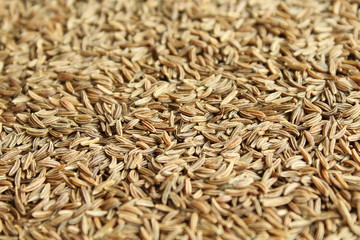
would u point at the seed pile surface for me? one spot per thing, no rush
(179, 119)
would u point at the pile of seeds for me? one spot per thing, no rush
(225, 119)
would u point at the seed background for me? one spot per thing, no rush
(179, 119)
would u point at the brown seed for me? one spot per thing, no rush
(240, 117)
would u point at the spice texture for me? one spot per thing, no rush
(179, 119)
